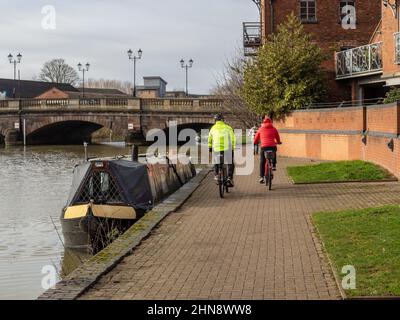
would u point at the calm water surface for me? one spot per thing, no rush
(34, 185)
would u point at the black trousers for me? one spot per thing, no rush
(256, 148)
(223, 157)
(263, 159)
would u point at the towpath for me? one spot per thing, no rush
(254, 244)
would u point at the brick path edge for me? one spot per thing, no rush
(321, 248)
(86, 275)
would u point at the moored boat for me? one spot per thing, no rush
(109, 195)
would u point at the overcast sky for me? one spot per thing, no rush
(101, 31)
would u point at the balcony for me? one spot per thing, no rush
(397, 47)
(252, 38)
(359, 62)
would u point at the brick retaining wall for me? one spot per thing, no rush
(344, 134)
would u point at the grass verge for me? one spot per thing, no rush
(369, 240)
(341, 171)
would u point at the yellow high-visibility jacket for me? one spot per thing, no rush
(221, 137)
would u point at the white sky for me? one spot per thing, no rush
(101, 31)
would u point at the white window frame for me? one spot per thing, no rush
(307, 19)
(341, 15)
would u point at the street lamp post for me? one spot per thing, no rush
(134, 58)
(83, 69)
(15, 62)
(187, 67)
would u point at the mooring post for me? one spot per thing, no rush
(135, 153)
(24, 131)
(85, 145)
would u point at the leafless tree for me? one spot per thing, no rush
(57, 70)
(124, 86)
(229, 86)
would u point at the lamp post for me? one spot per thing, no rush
(15, 62)
(133, 57)
(187, 67)
(83, 69)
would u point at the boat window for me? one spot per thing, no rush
(104, 181)
(100, 187)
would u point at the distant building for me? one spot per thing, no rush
(26, 89)
(153, 87)
(55, 93)
(156, 87)
(175, 94)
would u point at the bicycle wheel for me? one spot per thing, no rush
(270, 178)
(221, 183)
(267, 173)
(225, 181)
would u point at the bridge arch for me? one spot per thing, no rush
(180, 125)
(64, 132)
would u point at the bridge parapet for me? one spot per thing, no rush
(9, 106)
(128, 104)
(182, 105)
(91, 104)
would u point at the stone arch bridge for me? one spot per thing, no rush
(72, 121)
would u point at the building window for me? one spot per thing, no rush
(308, 10)
(346, 13)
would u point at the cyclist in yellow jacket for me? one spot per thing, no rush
(222, 141)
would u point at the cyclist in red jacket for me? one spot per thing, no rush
(269, 137)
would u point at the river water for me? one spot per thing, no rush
(34, 185)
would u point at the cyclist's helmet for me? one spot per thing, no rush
(219, 117)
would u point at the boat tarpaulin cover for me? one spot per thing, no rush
(80, 172)
(133, 178)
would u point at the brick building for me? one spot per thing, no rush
(77, 93)
(374, 67)
(27, 89)
(329, 23)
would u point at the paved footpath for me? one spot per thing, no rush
(254, 244)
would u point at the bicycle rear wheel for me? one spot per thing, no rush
(270, 178)
(226, 181)
(221, 183)
(268, 175)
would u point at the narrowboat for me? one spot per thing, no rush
(109, 195)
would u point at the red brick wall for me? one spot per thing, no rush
(328, 31)
(53, 93)
(330, 119)
(337, 134)
(390, 25)
(383, 119)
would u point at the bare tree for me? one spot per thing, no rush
(124, 86)
(229, 88)
(57, 70)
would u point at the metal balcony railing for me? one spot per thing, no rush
(361, 61)
(397, 47)
(252, 38)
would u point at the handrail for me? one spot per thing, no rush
(359, 61)
(128, 103)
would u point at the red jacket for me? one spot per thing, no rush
(268, 135)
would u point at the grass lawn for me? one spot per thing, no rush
(338, 171)
(369, 240)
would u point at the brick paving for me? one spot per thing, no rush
(255, 244)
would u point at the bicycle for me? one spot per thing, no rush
(268, 173)
(222, 176)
